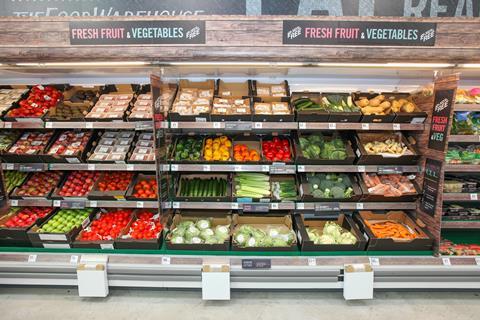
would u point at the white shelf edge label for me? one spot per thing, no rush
(301, 168)
(32, 258)
(73, 259)
(274, 206)
(91, 167)
(302, 125)
(477, 261)
(165, 260)
(396, 126)
(300, 206)
(48, 125)
(174, 125)
(446, 262)
(57, 203)
(89, 125)
(265, 168)
(217, 125)
(174, 167)
(7, 125)
(175, 205)
(237, 167)
(93, 204)
(365, 126)
(258, 125)
(374, 261)
(474, 196)
(206, 167)
(332, 126)
(10, 166)
(359, 206)
(361, 169)
(234, 206)
(312, 262)
(14, 203)
(130, 167)
(140, 204)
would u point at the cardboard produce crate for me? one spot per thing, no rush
(424, 241)
(262, 222)
(343, 220)
(221, 218)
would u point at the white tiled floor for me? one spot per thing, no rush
(50, 304)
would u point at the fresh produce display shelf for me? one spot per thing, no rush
(30, 167)
(464, 138)
(248, 126)
(460, 224)
(82, 203)
(360, 126)
(333, 206)
(467, 107)
(462, 168)
(358, 168)
(137, 125)
(247, 206)
(235, 126)
(277, 169)
(387, 257)
(461, 196)
(287, 169)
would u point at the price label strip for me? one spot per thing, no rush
(446, 262)
(375, 262)
(327, 206)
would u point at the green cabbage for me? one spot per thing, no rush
(248, 236)
(203, 224)
(207, 233)
(177, 240)
(196, 240)
(326, 239)
(222, 231)
(191, 232)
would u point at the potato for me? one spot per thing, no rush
(372, 110)
(374, 102)
(362, 102)
(402, 101)
(380, 97)
(409, 107)
(385, 105)
(396, 105)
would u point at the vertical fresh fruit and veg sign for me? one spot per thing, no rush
(440, 119)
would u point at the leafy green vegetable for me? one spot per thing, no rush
(316, 147)
(332, 185)
(249, 236)
(332, 233)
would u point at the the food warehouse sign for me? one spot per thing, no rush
(311, 32)
(137, 32)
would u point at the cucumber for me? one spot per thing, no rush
(181, 187)
(204, 188)
(209, 188)
(218, 188)
(196, 189)
(298, 101)
(191, 184)
(304, 105)
(224, 188)
(184, 191)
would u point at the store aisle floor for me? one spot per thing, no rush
(51, 304)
